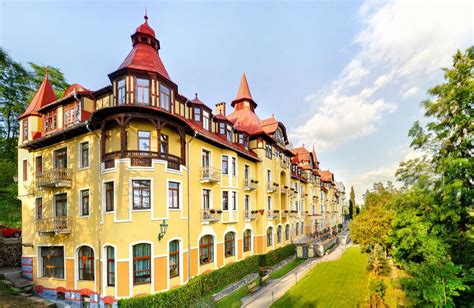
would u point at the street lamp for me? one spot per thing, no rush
(163, 229)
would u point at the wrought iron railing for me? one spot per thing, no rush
(248, 214)
(54, 225)
(209, 215)
(210, 174)
(250, 184)
(57, 177)
(142, 158)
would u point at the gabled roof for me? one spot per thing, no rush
(144, 56)
(44, 96)
(326, 176)
(301, 154)
(269, 125)
(77, 87)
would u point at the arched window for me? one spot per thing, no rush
(110, 254)
(279, 234)
(86, 263)
(206, 249)
(269, 236)
(247, 240)
(141, 264)
(297, 228)
(229, 244)
(174, 258)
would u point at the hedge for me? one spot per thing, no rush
(204, 284)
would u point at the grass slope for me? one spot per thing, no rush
(341, 283)
(282, 271)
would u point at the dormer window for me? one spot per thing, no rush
(197, 114)
(143, 91)
(221, 128)
(206, 117)
(121, 91)
(229, 133)
(165, 97)
(50, 121)
(268, 151)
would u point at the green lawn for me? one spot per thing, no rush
(341, 283)
(282, 271)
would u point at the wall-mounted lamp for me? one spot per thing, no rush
(163, 229)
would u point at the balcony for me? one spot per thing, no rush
(293, 213)
(250, 184)
(210, 215)
(284, 189)
(271, 187)
(210, 175)
(272, 215)
(56, 225)
(283, 164)
(55, 178)
(250, 215)
(284, 214)
(142, 158)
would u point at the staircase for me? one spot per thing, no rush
(11, 280)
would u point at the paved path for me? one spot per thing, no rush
(278, 287)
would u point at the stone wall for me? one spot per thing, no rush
(10, 252)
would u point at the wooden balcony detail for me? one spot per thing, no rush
(58, 177)
(142, 158)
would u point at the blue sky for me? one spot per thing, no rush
(346, 76)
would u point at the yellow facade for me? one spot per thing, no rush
(278, 198)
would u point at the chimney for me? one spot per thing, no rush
(220, 108)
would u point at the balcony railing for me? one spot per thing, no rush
(210, 174)
(283, 164)
(142, 158)
(58, 177)
(54, 225)
(284, 189)
(250, 215)
(250, 184)
(272, 215)
(271, 188)
(209, 215)
(284, 214)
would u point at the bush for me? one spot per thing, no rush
(204, 284)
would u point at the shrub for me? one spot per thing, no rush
(204, 284)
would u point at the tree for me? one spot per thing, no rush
(351, 203)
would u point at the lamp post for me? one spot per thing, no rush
(163, 229)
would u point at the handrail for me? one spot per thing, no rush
(210, 174)
(54, 176)
(207, 215)
(54, 224)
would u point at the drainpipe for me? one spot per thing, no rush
(189, 205)
(99, 210)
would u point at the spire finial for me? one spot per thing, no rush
(46, 73)
(146, 14)
(196, 95)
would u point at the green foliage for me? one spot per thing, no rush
(285, 269)
(377, 290)
(205, 284)
(377, 263)
(352, 203)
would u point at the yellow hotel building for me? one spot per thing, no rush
(133, 188)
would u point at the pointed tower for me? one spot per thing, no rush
(30, 120)
(145, 53)
(243, 117)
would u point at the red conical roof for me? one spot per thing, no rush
(43, 97)
(144, 55)
(244, 92)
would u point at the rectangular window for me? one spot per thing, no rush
(165, 97)
(84, 202)
(52, 259)
(50, 120)
(205, 119)
(173, 195)
(241, 138)
(197, 114)
(174, 258)
(234, 200)
(39, 165)
(268, 151)
(269, 177)
(25, 129)
(222, 128)
(225, 164)
(225, 200)
(121, 92)
(39, 208)
(144, 140)
(206, 193)
(141, 194)
(163, 144)
(246, 172)
(60, 159)
(84, 151)
(60, 206)
(109, 196)
(247, 240)
(110, 266)
(206, 155)
(247, 203)
(141, 264)
(25, 170)
(71, 114)
(269, 200)
(229, 133)
(143, 91)
(234, 166)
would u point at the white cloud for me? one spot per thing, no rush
(402, 45)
